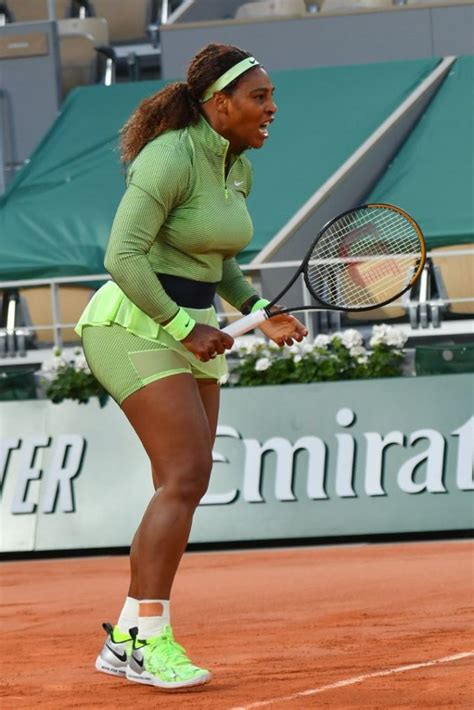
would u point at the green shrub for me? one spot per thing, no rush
(341, 356)
(63, 379)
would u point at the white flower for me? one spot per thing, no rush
(378, 335)
(47, 372)
(362, 360)
(263, 363)
(297, 358)
(50, 369)
(56, 364)
(81, 365)
(295, 349)
(80, 362)
(387, 335)
(45, 367)
(357, 350)
(396, 337)
(351, 338)
(247, 344)
(321, 341)
(307, 348)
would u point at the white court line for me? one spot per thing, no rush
(353, 681)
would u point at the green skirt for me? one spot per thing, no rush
(126, 349)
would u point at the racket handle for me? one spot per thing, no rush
(243, 325)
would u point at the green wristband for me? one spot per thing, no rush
(180, 326)
(261, 303)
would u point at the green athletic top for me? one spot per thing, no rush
(180, 215)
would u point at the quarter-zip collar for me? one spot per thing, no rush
(217, 145)
(205, 134)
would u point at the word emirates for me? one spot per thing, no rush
(346, 467)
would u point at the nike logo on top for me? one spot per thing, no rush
(238, 183)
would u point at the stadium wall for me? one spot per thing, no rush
(366, 36)
(325, 460)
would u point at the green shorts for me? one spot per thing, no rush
(124, 362)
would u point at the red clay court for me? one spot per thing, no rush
(371, 626)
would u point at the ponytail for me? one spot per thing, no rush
(171, 108)
(178, 105)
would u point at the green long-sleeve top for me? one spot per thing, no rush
(181, 215)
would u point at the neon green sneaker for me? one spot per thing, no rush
(162, 662)
(116, 651)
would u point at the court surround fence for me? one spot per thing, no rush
(424, 308)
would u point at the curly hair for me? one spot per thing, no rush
(177, 105)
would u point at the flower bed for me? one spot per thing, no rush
(70, 379)
(254, 361)
(341, 356)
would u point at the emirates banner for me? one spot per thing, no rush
(294, 461)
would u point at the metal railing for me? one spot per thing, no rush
(424, 306)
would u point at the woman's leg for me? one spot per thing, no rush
(133, 590)
(170, 417)
(209, 391)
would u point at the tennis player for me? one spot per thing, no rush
(151, 335)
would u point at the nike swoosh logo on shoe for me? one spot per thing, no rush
(121, 656)
(138, 661)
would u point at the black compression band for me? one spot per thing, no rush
(188, 293)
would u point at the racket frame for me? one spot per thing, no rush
(253, 320)
(302, 269)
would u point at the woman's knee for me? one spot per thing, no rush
(189, 483)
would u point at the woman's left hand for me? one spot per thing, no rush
(284, 329)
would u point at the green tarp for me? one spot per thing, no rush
(432, 176)
(56, 216)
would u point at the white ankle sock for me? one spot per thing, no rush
(129, 615)
(149, 626)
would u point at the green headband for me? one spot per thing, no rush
(229, 77)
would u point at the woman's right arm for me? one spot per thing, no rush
(158, 180)
(155, 187)
(137, 222)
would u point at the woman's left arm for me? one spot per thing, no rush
(235, 289)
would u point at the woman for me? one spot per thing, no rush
(151, 335)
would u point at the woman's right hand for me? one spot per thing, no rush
(205, 342)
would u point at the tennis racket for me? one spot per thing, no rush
(362, 259)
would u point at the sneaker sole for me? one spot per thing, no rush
(148, 679)
(103, 667)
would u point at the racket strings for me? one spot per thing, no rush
(372, 250)
(350, 286)
(361, 217)
(363, 259)
(386, 225)
(358, 289)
